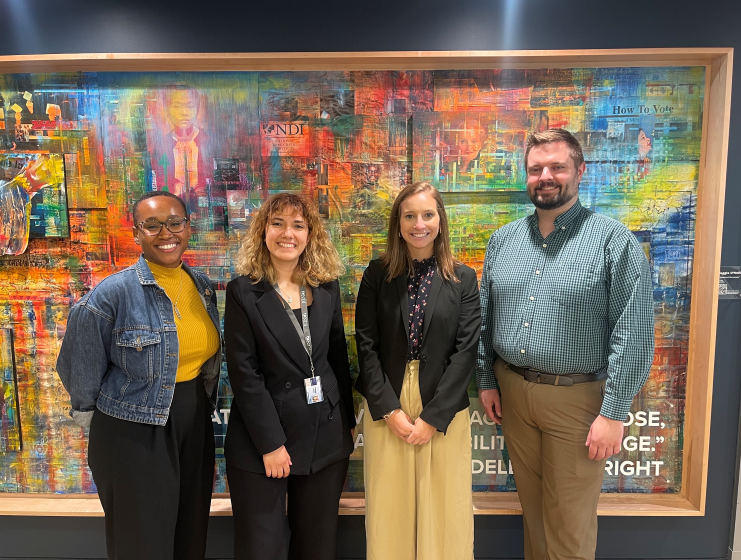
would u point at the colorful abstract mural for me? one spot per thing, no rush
(10, 421)
(350, 141)
(33, 199)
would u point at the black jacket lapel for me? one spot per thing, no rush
(277, 320)
(402, 286)
(321, 313)
(437, 283)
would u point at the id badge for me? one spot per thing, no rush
(313, 386)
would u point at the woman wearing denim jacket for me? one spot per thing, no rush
(141, 359)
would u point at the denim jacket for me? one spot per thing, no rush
(120, 350)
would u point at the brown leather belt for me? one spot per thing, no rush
(563, 380)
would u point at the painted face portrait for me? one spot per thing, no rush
(465, 138)
(372, 174)
(469, 145)
(182, 109)
(645, 144)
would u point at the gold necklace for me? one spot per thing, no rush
(175, 303)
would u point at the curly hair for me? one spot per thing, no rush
(319, 262)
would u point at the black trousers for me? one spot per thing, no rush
(155, 482)
(259, 508)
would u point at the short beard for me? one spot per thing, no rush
(554, 202)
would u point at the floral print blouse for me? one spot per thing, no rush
(418, 288)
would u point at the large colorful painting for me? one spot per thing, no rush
(33, 200)
(10, 421)
(349, 141)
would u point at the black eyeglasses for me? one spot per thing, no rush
(154, 227)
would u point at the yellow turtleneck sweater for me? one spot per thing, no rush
(198, 339)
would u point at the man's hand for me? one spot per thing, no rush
(277, 463)
(400, 424)
(489, 399)
(605, 438)
(422, 432)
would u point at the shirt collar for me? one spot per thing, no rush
(424, 264)
(564, 220)
(568, 217)
(143, 272)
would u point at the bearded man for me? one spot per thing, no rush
(567, 337)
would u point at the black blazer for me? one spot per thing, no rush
(267, 367)
(450, 338)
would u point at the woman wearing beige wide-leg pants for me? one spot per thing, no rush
(417, 326)
(427, 488)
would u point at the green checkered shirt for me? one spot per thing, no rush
(579, 301)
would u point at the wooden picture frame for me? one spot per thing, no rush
(718, 63)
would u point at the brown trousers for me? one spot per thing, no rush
(545, 428)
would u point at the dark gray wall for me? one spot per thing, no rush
(56, 26)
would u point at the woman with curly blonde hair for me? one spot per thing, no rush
(290, 429)
(318, 264)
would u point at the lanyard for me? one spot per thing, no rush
(305, 333)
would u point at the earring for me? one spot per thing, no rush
(400, 235)
(136, 240)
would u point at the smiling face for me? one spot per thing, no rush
(165, 248)
(286, 236)
(552, 176)
(372, 173)
(419, 224)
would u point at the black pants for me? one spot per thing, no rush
(259, 507)
(155, 482)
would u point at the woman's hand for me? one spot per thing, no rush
(277, 463)
(422, 432)
(400, 423)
